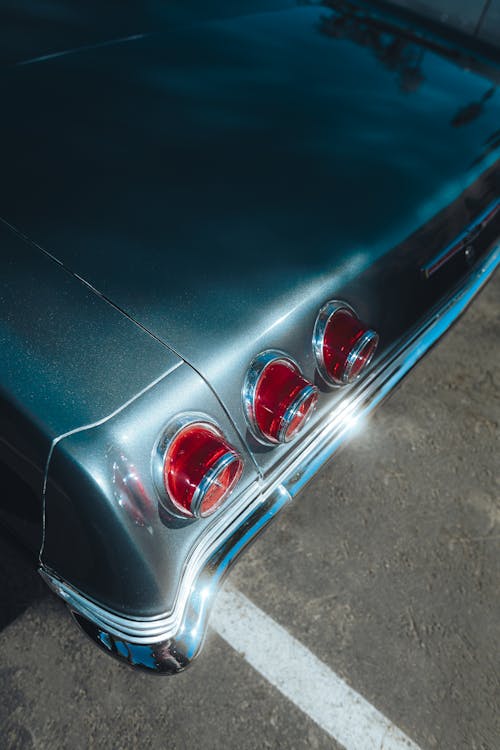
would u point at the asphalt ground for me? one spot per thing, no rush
(386, 568)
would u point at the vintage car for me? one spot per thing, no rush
(223, 243)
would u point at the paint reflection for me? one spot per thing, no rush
(471, 111)
(490, 145)
(399, 48)
(159, 657)
(129, 490)
(397, 54)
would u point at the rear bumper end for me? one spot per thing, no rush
(167, 643)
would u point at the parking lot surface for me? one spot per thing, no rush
(386, 569)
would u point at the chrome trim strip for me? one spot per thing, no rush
(210, 477)
(367, 338)
(292, 410)
(168, 642)
(326, 312)
(468, 235)
(172, 655)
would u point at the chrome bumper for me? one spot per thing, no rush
(167, 643)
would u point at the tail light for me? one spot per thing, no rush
(343, 345)
(277, 399)
(199, 468)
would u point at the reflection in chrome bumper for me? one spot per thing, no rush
(166, 644)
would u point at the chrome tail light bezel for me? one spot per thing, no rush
(160, 454)
(253, 377)
(369, 338)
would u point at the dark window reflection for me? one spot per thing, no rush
(401, 49)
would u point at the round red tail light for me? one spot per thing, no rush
(343, 345)
(277, 399)
(199, 468)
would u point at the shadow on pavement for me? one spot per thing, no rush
(20, 584)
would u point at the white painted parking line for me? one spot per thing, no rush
(303, 678)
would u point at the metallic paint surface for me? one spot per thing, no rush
(65, 351)
(167, 643)
(68, 358)
(221, 180)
